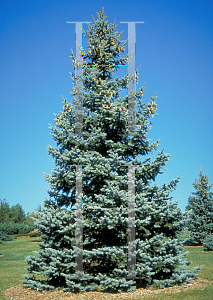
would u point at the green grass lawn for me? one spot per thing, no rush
(12, 265)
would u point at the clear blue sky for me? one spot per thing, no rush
(175, 50)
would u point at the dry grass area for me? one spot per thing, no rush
(21, 293)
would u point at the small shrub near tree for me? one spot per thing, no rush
(34, 234)
(208, 243)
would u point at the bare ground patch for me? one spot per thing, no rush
(21, 293)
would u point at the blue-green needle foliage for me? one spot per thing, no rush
(200, 208)
(105, 184)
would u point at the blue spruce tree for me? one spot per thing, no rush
(104, 154)
(200, 205)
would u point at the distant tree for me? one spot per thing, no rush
(30, 217)
(17, 214)
(4, 211)
(201, 207)
(39, 209)
(14, 214)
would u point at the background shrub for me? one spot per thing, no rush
(34, 234)
(6, 237)
(16, 228)
(208, 243)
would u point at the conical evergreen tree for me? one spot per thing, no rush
(105, 185)
(200, 223)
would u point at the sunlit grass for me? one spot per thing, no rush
(12, 265)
